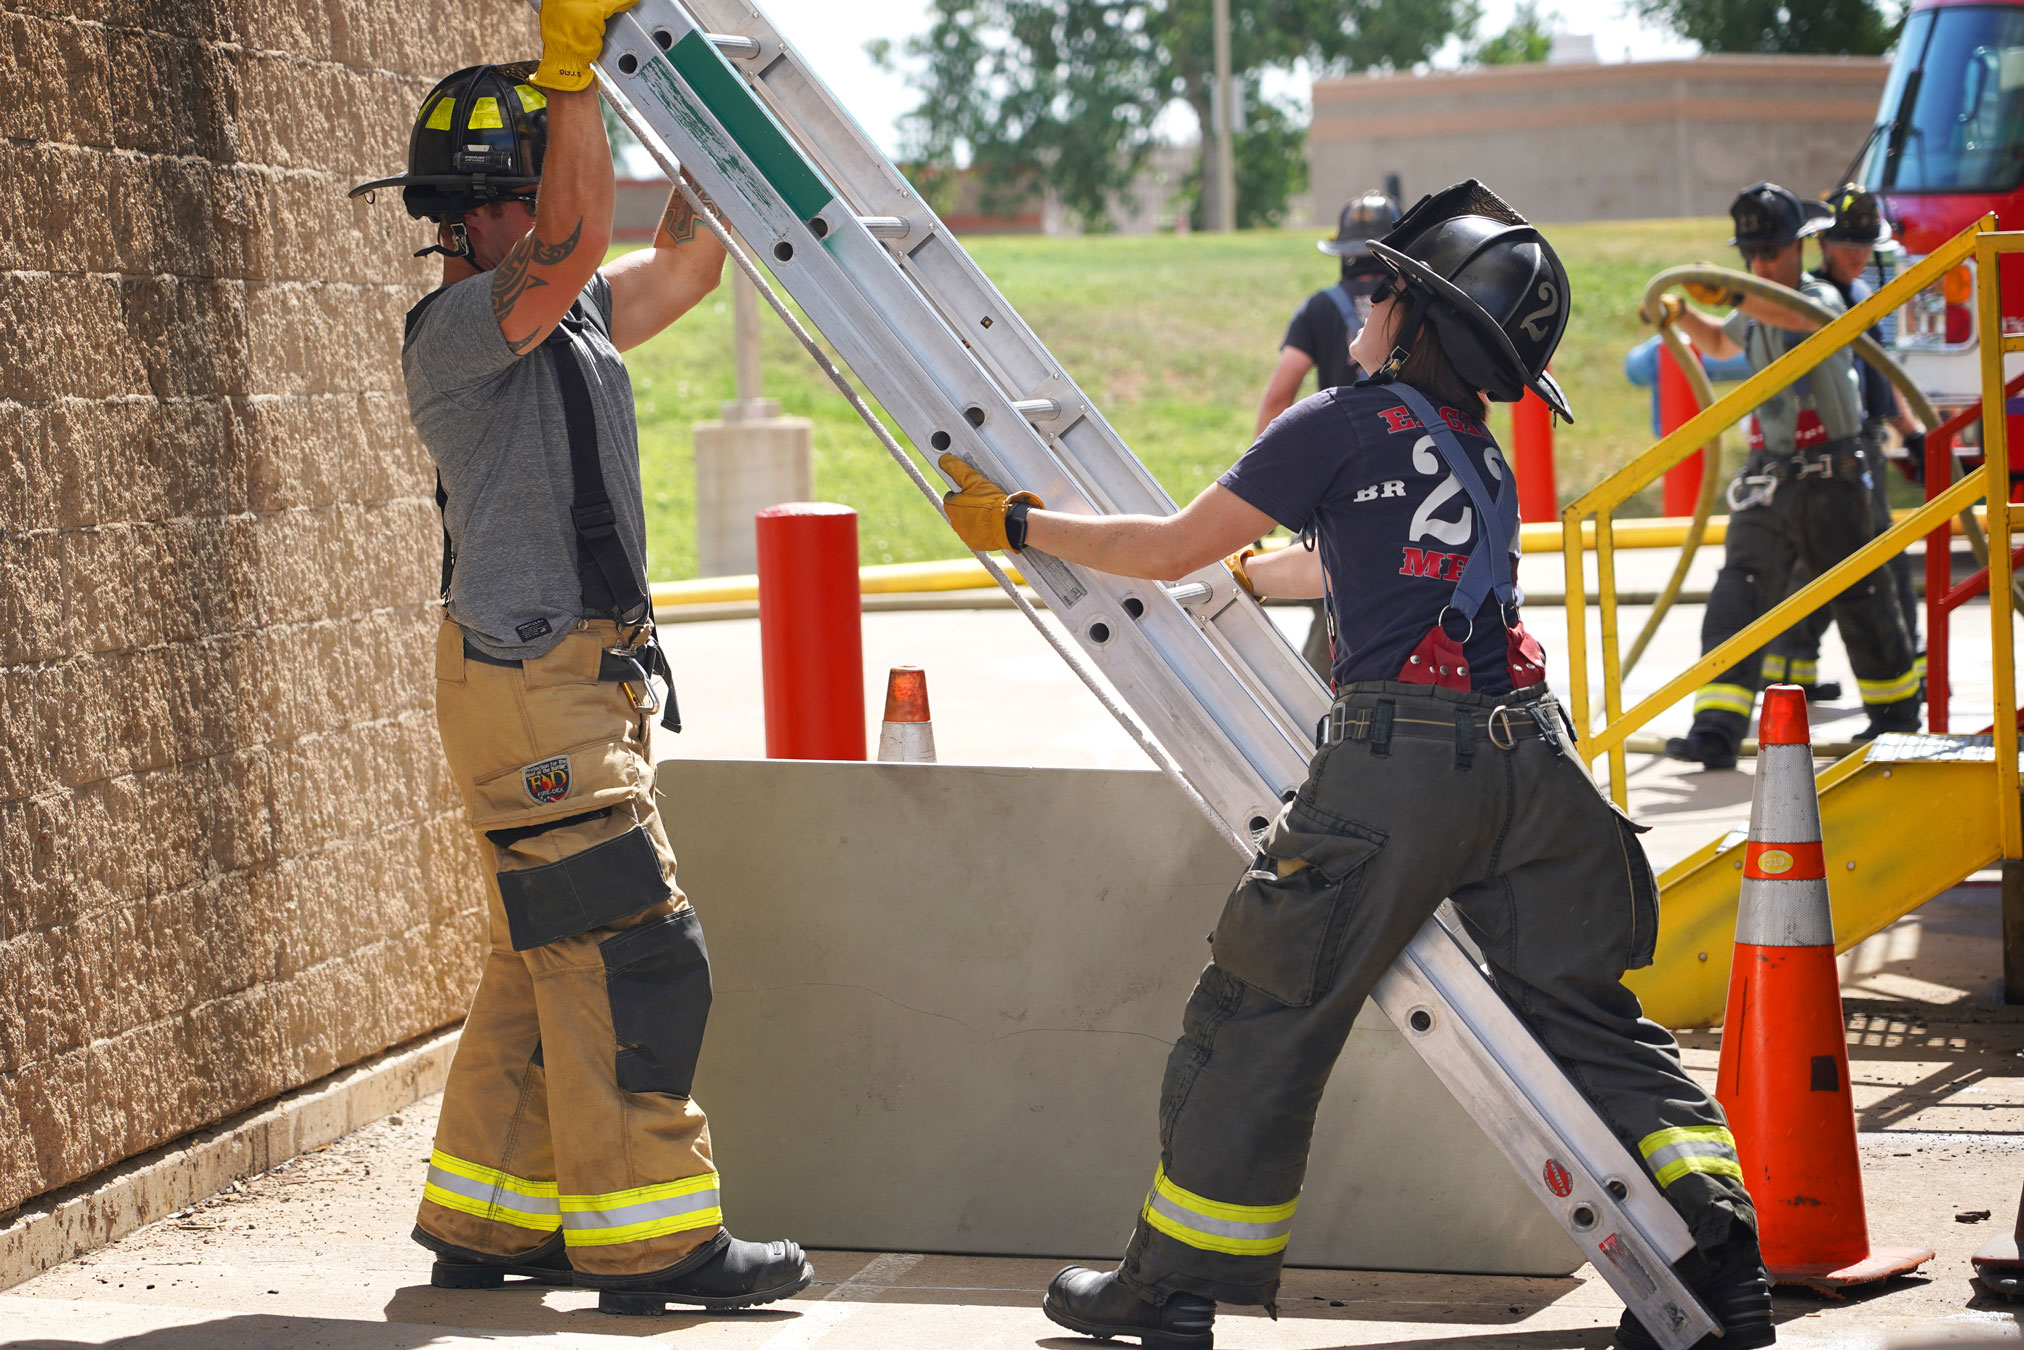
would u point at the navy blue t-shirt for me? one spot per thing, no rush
(1879, 399)
(1393, 525)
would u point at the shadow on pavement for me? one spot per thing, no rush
(261, 1331)
(523, 1311)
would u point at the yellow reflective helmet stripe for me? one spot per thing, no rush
(531, 98)
(1216, 1226)
(485, 115)
(489, 1193)
(642, 1212)
(1676, 1152)
(438, 113)
(1734, 698)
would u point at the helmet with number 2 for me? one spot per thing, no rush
(1490, 285)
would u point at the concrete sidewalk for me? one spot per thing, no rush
(315, 1253)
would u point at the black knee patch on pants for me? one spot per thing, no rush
(658, 979)
(603, 884)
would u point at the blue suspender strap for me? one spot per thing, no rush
(1489, 567)
(1339, 295)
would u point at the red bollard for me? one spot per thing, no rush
(1532, 451)
(1676, 405)
(811, 639)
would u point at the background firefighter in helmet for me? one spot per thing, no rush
(569, 1146)
(1445, 772)
(1804, 496)
(1318, 339)
(1857, 232)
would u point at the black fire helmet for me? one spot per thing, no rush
(480, 136)
(1491, 286)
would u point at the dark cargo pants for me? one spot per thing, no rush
(1551, 883)
(1795, 656)
(1815, 522)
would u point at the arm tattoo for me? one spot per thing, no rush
(512, 279)
(678, 226)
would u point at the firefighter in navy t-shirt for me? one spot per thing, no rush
(1445, 772)
(1318, 340)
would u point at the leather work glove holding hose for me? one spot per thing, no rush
(978, 508)
(572, 34)
(1711, 294)
(1669, 310)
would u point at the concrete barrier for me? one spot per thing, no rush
(944, 999)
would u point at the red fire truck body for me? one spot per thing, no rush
(1947, 148)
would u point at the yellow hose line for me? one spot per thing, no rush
(964, 574)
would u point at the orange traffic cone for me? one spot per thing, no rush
(907, 737)
(1784, 1070)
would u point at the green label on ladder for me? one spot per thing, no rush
(764, 147)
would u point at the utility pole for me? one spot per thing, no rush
(749, 459)
(1224, 111)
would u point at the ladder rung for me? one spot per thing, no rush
(1190, 593)
(1037, 409)
(886, 227)
(736, 45)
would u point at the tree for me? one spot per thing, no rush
(1074, 88)
(1842, 27)
(1525, 41)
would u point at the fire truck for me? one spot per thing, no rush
(1948, 147)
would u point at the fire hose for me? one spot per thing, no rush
(1867, 348)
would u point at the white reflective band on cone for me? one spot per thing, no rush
(906, 743)
(1785, 809)
(1784, 914)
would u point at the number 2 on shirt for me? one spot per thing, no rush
(1451, 532)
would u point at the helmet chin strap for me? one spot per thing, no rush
(460, 243)
(1414, 315)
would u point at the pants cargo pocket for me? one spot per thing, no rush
(602, 884)
(657, 977)
(1644, 895)
(1283, 927)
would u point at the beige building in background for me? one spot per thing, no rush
(1597, 142)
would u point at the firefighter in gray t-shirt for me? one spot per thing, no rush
(570, 1148)
(1803, 496)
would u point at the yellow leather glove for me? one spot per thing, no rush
(1670, 308)
(572, 34)
(1238, 564)
(1713, 294)
(977, 509)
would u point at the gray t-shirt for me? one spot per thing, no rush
(494, 423)
(1823, 405)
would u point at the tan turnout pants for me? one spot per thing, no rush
(596, 985)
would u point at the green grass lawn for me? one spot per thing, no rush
(1174, 337)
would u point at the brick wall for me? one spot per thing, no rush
(230, 858)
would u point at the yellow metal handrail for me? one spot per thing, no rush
(1986, 246)
(1989, 251)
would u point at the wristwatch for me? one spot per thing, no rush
(1015, 525)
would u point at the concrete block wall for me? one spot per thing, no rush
(230, 858)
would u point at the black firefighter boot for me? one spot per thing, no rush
(722, 1274)
(1732, 1285)
(1703, 746)
(1886, 718)
(462, 1268)
(1097, 1303)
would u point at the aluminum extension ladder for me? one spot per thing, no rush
(1222, 702)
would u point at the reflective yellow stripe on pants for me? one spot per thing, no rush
(1889, 691)
(1672, 1154)
(491, 1194)
(1211, 1225)
(1730, 698)
(640, 1213)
